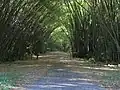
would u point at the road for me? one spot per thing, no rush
(39, 75)
(63, 79)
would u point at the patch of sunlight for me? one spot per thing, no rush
(110, 65)
(65, 60)
(83, 72)
(45, 56)
(48, 65)
(101, 68)
(83, 79)
(35, 65)
(75, 85)
(75, 61)
(60, 69)
(67, 84)
(46, 86)
(69, 65)
(86, 83)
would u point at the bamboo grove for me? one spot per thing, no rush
(23, 28)
(91, 26)
(95, 29)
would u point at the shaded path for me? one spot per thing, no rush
(47, 73)
(63, 79)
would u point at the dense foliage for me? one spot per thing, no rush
(25, 26)
(95, 28)
(90, 28)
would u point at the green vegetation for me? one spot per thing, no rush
(89, 29)
(95, 29)
(25, 27)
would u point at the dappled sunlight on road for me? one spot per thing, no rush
(52, 72)
(59, 78)
(101, 68)
(91, 80)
